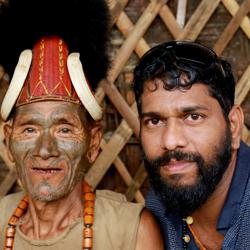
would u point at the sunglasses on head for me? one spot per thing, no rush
(183, 52)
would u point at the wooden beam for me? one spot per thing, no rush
(181, 12)
(129, 114)
(139, 179)
(134, 36)
(242, 87)
(125, 175)
(126, 26)
(114, 146)
(232, 6)
(241, 92)
(199, 19)
(116, 8)
(170, 21)
(245, 134)
(127, 178)
(232, 27)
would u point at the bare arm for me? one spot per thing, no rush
(148, 236)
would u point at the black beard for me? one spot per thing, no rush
(184, 200)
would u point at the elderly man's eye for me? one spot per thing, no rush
(29, 130)
(65, 130)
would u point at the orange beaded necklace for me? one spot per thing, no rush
(88, 219)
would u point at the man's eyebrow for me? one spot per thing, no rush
(150, 114)
(28, 121)
(189, 109)
(186, 109)
(62, 120)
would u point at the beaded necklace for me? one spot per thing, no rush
(88, 219)
(185, 237)
(187, 222)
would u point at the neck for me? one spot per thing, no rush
(208, 214)
(45, 220)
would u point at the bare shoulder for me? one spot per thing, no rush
(149, 235)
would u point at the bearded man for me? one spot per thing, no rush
(53, 134)
(190, 135)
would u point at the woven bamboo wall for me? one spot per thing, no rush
(138, 25)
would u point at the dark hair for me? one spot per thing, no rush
(180, 64)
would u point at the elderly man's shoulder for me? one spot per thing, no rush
(116, 203)
(7, 206)
(129, 219)
(9, 202)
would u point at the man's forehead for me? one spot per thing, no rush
(153, 84)
(156, 97)
(157, 85)
(49, 108)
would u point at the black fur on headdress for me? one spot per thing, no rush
(82, 24)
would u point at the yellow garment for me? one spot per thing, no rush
(115, 225)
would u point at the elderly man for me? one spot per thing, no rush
(53, 135)
(190, 134)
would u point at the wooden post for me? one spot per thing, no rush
(181, 12)
(232, 27)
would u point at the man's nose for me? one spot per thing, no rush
(173, 136)
(46, 146)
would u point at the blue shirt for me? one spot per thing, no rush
(229, 213)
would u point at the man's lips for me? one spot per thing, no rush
(175, 166)
(46, 171)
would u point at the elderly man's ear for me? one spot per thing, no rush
(236, 119)
(7, 129)
(95, 142)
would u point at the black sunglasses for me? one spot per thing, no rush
(184, 52)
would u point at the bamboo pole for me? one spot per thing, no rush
(199, 19)
(232, 27)
(243, 87)
(129, 114)
(116, 143)
(232, 6)
(170, 21)
(181, 12)
(139, 178)
(134, 36)
(124, 173)
(127, 178)
(245, 134)
(126, 26)
(116, 8)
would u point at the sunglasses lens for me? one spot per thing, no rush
(194, 53)
(182, 52)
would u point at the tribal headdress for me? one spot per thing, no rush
(69, 51)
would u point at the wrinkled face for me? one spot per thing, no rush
(49, 142)
(177, 122)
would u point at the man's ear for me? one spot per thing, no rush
(236, 119)
(95, 141)
(7, 129)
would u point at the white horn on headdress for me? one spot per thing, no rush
(81, 86)
(16, 84)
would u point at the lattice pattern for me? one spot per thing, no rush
(135, 42)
